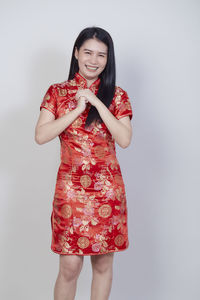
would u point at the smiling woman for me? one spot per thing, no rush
(98, 44)
(88, 113)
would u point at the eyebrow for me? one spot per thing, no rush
(93, 51)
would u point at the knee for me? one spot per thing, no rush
(102, 264)
(70, 268)
(101, 268)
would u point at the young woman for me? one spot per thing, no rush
(89, 114)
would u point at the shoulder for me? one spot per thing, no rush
(61, 89)
(119, 91)
(120, 94)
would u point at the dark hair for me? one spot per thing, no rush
(106, 88)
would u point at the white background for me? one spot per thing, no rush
(157, 57)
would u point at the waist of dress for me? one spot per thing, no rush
(88, 161)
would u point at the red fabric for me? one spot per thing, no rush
(89, 214)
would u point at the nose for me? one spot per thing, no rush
(93, 59)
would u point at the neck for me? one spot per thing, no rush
(89, 81)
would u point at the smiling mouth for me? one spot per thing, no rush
(91, 68)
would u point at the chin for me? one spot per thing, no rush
(91, 76)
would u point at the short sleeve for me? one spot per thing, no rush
(49, 101)
(122, 105)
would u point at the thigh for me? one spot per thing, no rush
(102, 259)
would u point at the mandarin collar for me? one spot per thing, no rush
(82, 82)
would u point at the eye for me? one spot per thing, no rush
(87, 52)
(101, 55)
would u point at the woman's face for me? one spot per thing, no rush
(92, 58)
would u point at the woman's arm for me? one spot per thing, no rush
(48, 128)
(121, 129)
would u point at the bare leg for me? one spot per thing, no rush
(69, 270)
(102, 267)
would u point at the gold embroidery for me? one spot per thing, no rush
(47, 97)
(66, 211)
(62, 92)
(85, 181)
(72, 91)
(105, 210)
(77, 123)
(83, 242)
(62, 239)
(66, 245)
(72, 82)
(99, 151)
(119, 240)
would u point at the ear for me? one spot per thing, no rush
(76, 53)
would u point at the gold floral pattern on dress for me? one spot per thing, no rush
(119, 240)
(66, 211)
(99, 151)
(62, 92)
(47, 96)
(83, 242)
(87, 163)
(77, 123)
(89, 214)
(85, 181)
(105, 210)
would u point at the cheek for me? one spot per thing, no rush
(104, 63)
(82, 59)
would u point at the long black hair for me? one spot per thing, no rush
(106, 88)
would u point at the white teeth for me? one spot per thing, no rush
(92, 68)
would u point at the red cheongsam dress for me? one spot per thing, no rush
(89, 215)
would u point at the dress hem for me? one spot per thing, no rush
(119, 250)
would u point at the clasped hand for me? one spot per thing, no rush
(88, 94)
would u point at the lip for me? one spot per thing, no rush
(92, 66)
